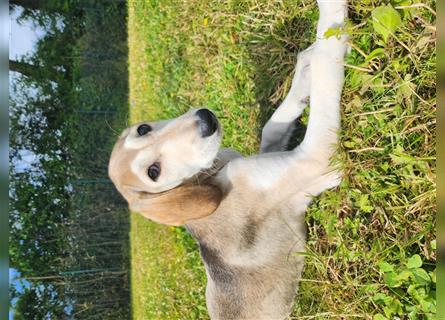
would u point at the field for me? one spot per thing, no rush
(371, 241)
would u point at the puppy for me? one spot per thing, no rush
(246, 213)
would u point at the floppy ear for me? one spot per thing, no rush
(179, 205)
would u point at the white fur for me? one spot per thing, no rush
(253, 273)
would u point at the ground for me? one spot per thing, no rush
(371, 241)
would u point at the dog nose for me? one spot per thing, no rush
(207, 122)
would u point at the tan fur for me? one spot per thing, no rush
(190, 200)
(179, 205)
(173, 207)
(246, 213)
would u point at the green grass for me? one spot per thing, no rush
(237, 57)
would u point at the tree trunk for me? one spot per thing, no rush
(24, 68)
(32, 71)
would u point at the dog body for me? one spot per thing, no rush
(250, 244)
(247, 213)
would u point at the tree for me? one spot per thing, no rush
(40, 302)
(67, 241)
(43, 12)
(32, 71)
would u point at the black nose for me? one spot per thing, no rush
(207, 122)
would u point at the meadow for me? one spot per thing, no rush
(371, 249)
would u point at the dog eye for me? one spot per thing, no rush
(154, 171)
(143, 129)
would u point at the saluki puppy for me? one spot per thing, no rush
(247, 213)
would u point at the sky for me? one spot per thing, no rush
(22, 37)
(22, 40)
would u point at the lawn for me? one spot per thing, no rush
(371, 241)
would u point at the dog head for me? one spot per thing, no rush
(154, 165)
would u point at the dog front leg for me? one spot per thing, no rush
(307, 168)
(309, 163)
(326, 83)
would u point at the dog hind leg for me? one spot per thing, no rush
(276, 132)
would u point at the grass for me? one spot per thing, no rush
(371, 241)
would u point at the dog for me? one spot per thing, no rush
(246, 213)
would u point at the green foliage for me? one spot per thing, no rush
(411, 290)
(39, 202)
(35, 302)
(69, 226)
(385, 20)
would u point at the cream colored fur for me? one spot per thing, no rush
(247, 213)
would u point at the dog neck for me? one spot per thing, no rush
(200, 228)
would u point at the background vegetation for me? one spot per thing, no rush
(68, 226)
(371, 244)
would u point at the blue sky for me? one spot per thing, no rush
(22, 37)
(20, 286)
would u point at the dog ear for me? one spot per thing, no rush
(177, 206)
